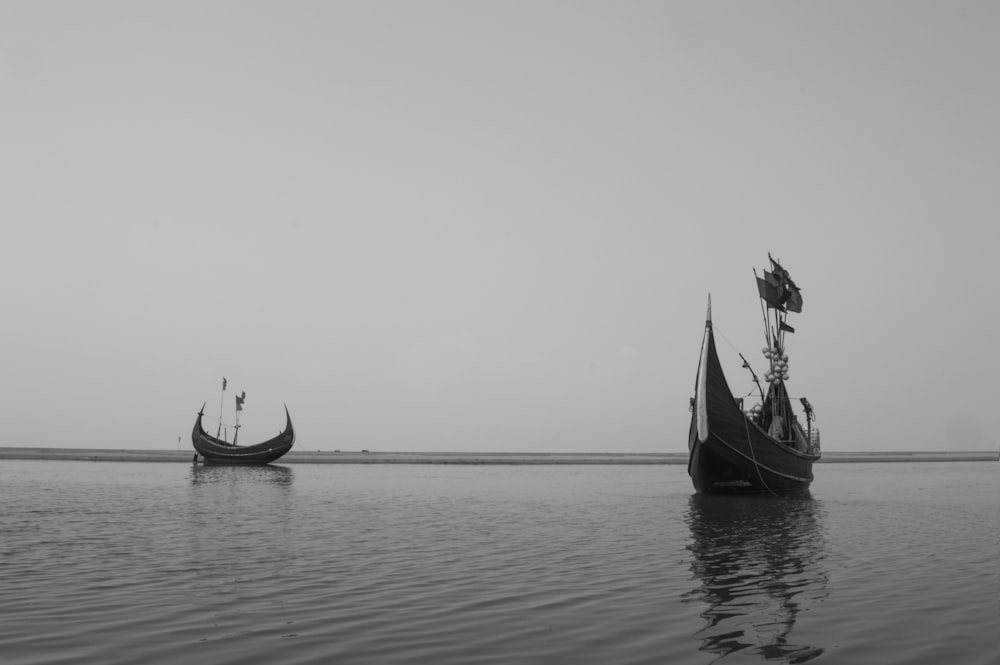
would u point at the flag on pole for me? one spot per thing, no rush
(785, 326)
(223, 383)
(239, 401)
(769, 291)
(788, 291)
(794, 303)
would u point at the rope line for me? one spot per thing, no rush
(777, 473)
(754, 458)
(723, 336)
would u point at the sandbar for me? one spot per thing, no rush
(376, 457)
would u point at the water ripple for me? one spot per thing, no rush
(126, 563)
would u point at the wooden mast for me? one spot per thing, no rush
(239, 408)
(222, 397)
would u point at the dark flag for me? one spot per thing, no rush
(223, 383)
(780, 273)
(788, 291)
(785, 326)
(239, 401)
(794, 302)
(769, 292)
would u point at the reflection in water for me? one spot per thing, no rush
(759, 562)
(238, 519)
(233, 473)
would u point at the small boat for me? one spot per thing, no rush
(765, 448)
(216, 450)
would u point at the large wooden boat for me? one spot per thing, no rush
(217, 450)
(763, 449)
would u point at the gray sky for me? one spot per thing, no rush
(492, 226)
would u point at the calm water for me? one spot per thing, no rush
(166, 563)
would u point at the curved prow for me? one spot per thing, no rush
(701, 386)
(701, 392)
(197, 423)
(198, 430)
(288, 424)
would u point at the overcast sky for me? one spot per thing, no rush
(492, 226)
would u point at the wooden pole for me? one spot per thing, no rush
(763, 311)
(239, 408)
(222, 397)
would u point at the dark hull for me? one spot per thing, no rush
(735, 456)
(217, 451)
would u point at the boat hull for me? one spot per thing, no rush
(762, 465)
(729, 453)
(216, 451)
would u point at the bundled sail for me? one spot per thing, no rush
(764, 448)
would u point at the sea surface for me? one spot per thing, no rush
(128, 562)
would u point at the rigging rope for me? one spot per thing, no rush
(746, 426)
(715, 327)
(209, 419)
(753, 457)
(746, 364)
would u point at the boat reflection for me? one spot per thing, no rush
(231, 507)
(252, 473)
(759, 562)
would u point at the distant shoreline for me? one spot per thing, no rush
(362, 457)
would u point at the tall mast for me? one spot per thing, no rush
(763, 313)
(222, 397)
(236, 427)
(239, 408)
(779, 336)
